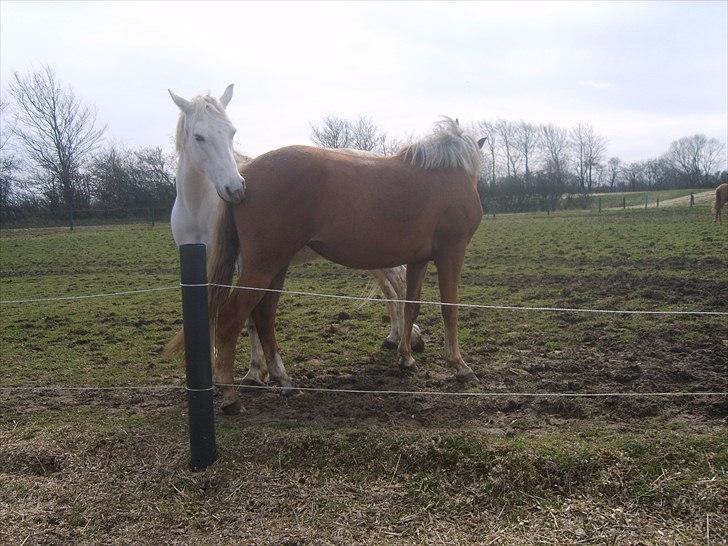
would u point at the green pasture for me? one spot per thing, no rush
(636, 198)
(109, 466)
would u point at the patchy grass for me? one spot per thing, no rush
(67, 481)
(90, 467)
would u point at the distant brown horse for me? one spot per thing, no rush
(360, 211)
(721, 198)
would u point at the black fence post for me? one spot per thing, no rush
(692, 199)
(203, 449)
(624, 202)
(70, 219)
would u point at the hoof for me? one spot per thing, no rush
(251, 381)
(418, 345)
(231, 406)
(290, 391)
(286, 388)
(467, 377)
(389, 344)
(407, 365)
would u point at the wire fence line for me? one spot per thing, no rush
(456, 394)
(375, 299)
(90, 296)
(466, 394)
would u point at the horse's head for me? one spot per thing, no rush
(205, 136)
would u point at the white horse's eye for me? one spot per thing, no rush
(199, 138)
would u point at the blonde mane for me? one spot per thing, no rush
(449, 147)
(199, 105)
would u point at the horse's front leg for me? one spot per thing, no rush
(229, 323)
(449, 267)
(415, 278)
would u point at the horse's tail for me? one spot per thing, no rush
(222, 262)
(220, 269)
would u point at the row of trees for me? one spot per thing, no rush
(53, 158)
(528, 166)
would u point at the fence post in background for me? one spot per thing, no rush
(645, 201)
(600, 205)
(658, 201)
(624, 202)
(692, 199)
(193, 263)
(70, 219)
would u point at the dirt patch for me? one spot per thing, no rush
(602, 364)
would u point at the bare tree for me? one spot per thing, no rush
(365, 135)
(614, 167)
(362, 134)
(555, 143)
(506, 132)
(8, 160)
(578, 146)
(695, 157)
(391, 145)
(594, 151)
(56, 129)
(526, 142)
(655, 172)
(333, 132)
(634, 175)
(490, 131)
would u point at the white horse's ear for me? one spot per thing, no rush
(184, 104)
(481, 142)
(227, 95)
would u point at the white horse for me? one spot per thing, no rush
(208, 168)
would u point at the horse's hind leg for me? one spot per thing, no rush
(449, 264)
(392, 283)
(264, 316)
(257, 372)
(415, 277)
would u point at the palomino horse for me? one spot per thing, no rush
(363, 212)
(721, 198)
(207, 168)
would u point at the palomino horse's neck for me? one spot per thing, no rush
(193, 187)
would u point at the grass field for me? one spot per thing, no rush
(637, 198)
(111, 466)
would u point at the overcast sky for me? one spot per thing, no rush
(643, 74)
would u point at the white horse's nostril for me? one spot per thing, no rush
(235, 193)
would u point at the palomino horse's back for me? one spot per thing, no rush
(361, 211)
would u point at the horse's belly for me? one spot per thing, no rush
(305, 255)
(370, 255)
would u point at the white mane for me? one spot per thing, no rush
(449, 147)
(200, 104)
